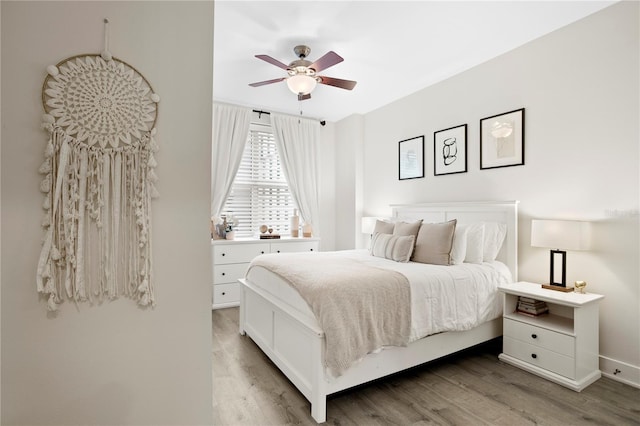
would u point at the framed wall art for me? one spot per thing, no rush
(411, 158)
(450, 150)
(502, 140)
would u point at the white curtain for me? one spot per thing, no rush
(297, 142)
(230, 132)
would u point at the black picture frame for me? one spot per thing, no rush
(450, 150)
(411, 158)
(502, 140)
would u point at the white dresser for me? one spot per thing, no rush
(231, 259)
(562, 345)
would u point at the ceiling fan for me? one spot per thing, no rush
(303, 76)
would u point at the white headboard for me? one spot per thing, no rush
(470, 212)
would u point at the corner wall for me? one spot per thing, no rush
(114, 363)
(580, 87)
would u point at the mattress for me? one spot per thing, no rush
(443, 298)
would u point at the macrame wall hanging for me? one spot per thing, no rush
(100, 114)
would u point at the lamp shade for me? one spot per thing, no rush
(561, 234)
(301, 83)
(368, 224)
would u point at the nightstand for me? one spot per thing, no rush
(561, 345)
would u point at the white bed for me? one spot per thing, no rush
(275, 316)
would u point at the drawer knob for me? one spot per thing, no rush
(310, 249)
(224, 273)
(534, 336)
(278, 251)
(222, 254)
(534, 356)
(262, 252)
(223, 293)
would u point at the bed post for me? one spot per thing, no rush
(242, 310)
(318, 383)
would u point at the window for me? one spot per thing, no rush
(260, 193)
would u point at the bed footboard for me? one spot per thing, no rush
(293, 345)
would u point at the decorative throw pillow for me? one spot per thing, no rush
(407, 228)
(475, 243)
(494, 234)
(459, 248)
(434, 243)
(393, 247)
(384, 227)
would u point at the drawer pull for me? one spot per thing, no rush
(534, 356)
(223, 254)
(534, 336)
(224, 273)
(310, 249)
(278, 251)
(262, 252)
(223, 293)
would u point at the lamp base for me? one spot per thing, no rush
(557, 288)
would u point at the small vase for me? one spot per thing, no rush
(230, 235)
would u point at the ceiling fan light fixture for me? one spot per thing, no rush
(301, 83)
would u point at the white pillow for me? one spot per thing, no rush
(475, 243)
(393, 247)
(494, 234)
(459, 248)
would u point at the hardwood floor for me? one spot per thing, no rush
(470, 388)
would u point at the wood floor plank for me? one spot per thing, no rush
(469, 388)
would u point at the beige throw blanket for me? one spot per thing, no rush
(359, 307)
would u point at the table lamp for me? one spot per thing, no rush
(560, 236)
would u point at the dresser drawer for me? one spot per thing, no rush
(543, 358)
(541, 337)
(229, 273)
(238, 253)
(298, 246)
(226, 294)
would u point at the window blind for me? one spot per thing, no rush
(260, 193)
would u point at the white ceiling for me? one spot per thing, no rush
(391, 48)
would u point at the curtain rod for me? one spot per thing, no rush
(260, 112)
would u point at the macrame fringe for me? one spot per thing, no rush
(97, 222)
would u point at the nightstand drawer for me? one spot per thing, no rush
(229, 273)
(543, 358)
(238, 253)
(541, 337)
(226, 293)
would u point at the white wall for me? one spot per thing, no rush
(114, 363)
(580, 88)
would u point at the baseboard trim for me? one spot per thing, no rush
(620, 371)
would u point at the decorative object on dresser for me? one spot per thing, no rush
(231, 260)
(562, 345)
(450, 150)
(295, 224)
(502, 140)
(560, 235)
(411, 158)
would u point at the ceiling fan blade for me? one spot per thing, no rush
(262, 83)
(328, 60)
(338, 82)
(273, 61)
(302, 97)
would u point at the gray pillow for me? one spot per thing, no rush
(383, 227)
(407, 228)
(434, 243)
(392, 247)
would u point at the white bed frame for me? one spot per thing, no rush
(295, 343)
